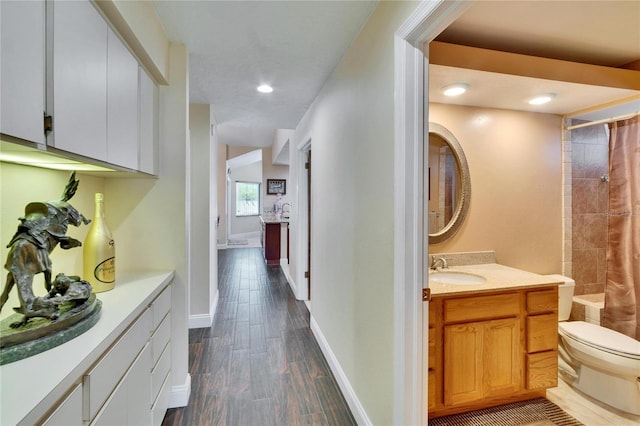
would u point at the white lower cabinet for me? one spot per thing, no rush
(130, 384)
(69, 412)
(109, 371)
(129, 402)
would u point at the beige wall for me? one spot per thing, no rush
(20, 185)
(516, 187)
(203, 262)
(351, 124)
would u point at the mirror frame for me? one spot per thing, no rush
(462, 206)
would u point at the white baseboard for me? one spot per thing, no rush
(284, 265)
(343, 382)
(180, 394)
(204, 320)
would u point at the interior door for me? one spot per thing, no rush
(308, 167)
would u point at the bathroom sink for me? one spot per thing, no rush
(456, 277)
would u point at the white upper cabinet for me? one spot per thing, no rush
(79, 99)
(122, 105)
(61, 59)
(148, 124)
(22, 59)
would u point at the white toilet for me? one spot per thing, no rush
(598, 361)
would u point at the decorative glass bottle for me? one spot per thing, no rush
(99, 251)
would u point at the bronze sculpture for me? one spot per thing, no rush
(43, 227)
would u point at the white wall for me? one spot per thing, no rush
(352, 127)
(273, 171)
(221, 185)
(202, 173)
(249, 173)
(280, 147)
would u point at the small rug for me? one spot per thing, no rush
(239, 242)
(538, 411)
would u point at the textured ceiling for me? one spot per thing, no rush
(235, 46)
(294, 45)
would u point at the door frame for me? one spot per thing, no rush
(302, 218)
(428, 20)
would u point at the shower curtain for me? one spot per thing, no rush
(622, 288)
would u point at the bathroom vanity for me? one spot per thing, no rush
(493, 341)
(274, 239)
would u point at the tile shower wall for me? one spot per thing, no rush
(590, 202)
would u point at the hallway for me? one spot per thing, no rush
(259, 364)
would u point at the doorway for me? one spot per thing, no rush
(410, 251)
(303, 239)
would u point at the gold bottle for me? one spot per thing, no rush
(99, 252)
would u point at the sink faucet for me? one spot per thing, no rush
(435, 260)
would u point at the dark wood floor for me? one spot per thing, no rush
(259, 364)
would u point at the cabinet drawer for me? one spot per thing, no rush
(160, 307)
(542, 370)
(69, 412)
(160, 339)
(542, 301)
(100, 381)
(159, 408)
(542, 333)
(129, 403)
(481, 307)
(159, 372)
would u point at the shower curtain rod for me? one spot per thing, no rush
(604, 120)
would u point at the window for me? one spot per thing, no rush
(247, 199)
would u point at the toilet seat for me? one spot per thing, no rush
(601, 338)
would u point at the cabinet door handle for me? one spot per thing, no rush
(48, 123)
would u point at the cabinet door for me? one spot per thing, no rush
(122, 104)
(148, 124)
(463, 358)
(22, 59)
(79, 96)
(481, 359)
(502, 358)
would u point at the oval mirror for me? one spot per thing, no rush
(448, 184)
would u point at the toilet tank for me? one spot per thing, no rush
(565, 295)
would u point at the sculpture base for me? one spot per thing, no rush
(42, 334)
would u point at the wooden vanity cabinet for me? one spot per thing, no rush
(491, 349)
(542, 339)
(271, 242)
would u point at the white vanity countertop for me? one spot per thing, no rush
(499, 277)
(273, 219)
(29, 387)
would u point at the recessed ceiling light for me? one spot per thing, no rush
(265, 88)
(455, 89)
(542, 99)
